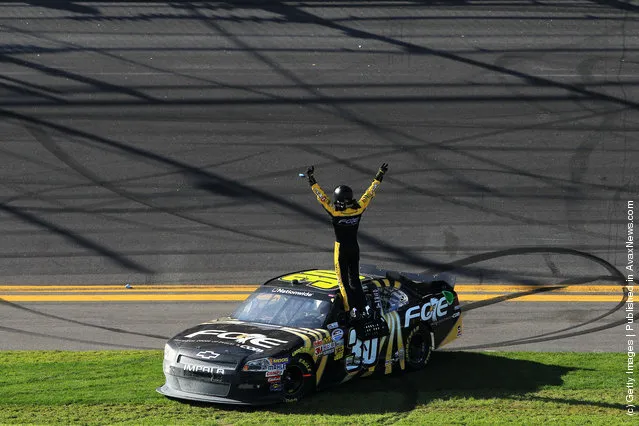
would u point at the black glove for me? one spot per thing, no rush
(380, 173)
(310, 176)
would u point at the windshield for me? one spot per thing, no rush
(283, 309)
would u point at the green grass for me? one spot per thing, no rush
(109, 387)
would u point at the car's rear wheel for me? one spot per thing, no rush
(298, 379)
(418, 348)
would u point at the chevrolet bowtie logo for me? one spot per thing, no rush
(207, 354)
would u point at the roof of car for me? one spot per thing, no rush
(325, 280)
(316, 280)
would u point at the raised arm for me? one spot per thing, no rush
(319, 192)
(366, 198)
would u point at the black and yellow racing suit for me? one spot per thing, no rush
(346, 253)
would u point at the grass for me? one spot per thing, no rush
(111, 387)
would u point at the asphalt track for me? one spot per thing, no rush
(159, 143)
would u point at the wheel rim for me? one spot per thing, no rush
(416, 350)
(293, 379)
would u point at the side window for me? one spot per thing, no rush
(337, 307)
(392, 299)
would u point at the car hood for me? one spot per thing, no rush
(231, 340)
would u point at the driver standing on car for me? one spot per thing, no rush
(346, 213)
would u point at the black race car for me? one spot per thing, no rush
(291, 337)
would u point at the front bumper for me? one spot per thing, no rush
(173, 393)
(231, 387)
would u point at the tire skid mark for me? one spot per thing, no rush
(48, 143)
(75, 238)
(615, 276)
(72, 321)
(70, 339)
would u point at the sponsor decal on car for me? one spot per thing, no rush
(203, 369)
(339, 352)
(274, 379)
(434, 309)
(450, 297)
(337, 334)
(332, 325)
(276, 367)
(254, 339)
(377, 299)
(321, 342)
(207, 354)
(291, 292)
(324, 347)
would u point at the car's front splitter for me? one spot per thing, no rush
(178, 394)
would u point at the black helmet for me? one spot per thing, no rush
(343, 194)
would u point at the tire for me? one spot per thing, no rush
(417, 349)
(298, 380)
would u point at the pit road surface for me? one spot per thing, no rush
(161, 142)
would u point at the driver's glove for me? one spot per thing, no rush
(310, 175)
(382, 170)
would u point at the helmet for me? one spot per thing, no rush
(343, 196)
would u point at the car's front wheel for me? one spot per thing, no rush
(418, 348)
(298, 379)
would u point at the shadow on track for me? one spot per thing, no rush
(65, 5)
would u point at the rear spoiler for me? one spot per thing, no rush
(374, 271)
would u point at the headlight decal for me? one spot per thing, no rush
(261, 364)
(170, 354)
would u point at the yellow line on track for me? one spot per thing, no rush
(516, 288)
(546, 298)
(229, 289)
(51, 288)
(241, 296)
(468, 292)
(123, 297)
(460, 288)
(137, 290)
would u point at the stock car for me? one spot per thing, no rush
(292, 337)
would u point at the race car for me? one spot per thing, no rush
(292, 337)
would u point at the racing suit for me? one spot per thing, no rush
(346, 252)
